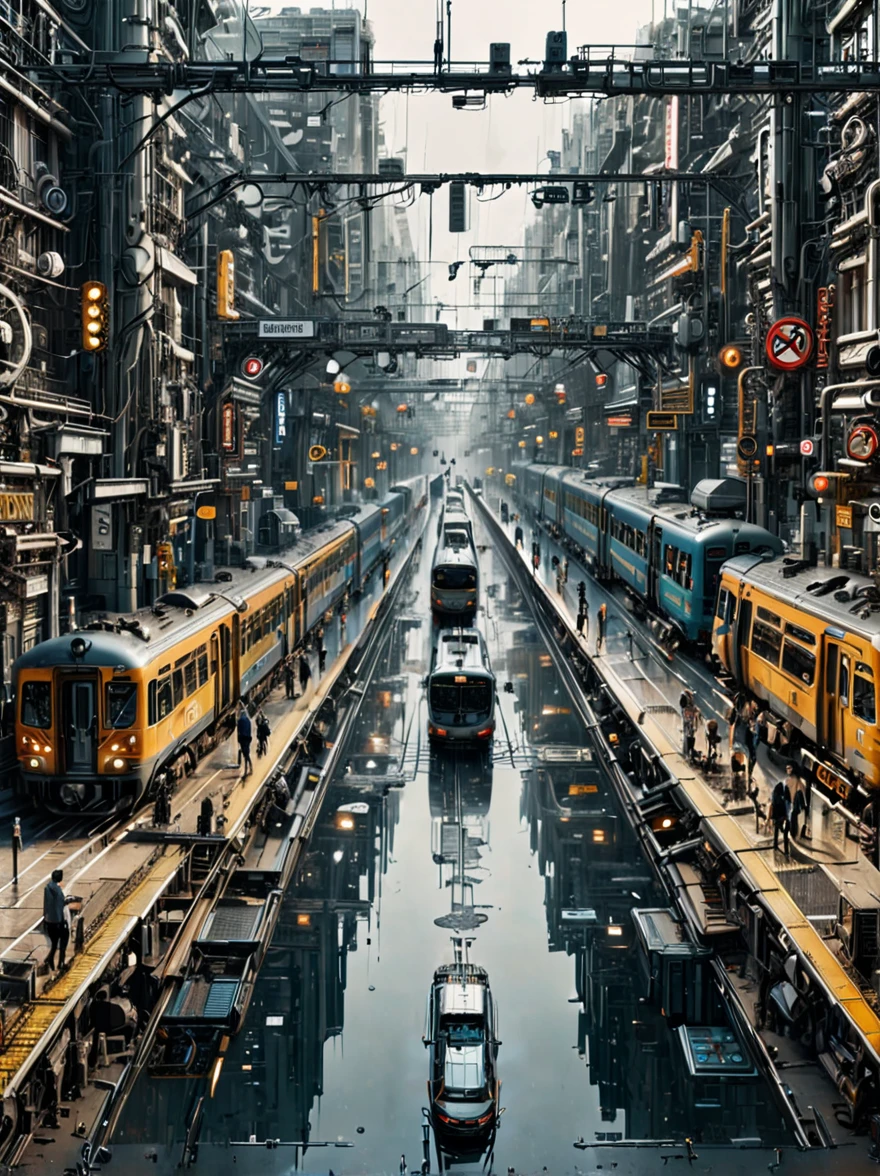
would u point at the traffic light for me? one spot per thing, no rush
(95, 316)
(818, 484)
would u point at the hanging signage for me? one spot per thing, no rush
(789, 344)
(286, 329)
(661, 422)
(843, 517)
(226, 285)
(579, 435)
(280, 417)
(619, 422)
(824, 307)
(227, 426)
(671, 138)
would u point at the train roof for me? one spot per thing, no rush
(455, 555)
(460, 649)
(815, 591)
(683, 517)
(183, 612)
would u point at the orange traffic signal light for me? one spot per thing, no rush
(730, 357)
(95, 316)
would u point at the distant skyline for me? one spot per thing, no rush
(513, 133)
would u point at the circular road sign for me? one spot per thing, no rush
(806, 447)
(252, 367)
(747, 447)
(789, 344)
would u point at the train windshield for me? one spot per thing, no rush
(121, 704)
(467, 702)
(453, 576)
(36, 705)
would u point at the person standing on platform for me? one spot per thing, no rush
(518, 537)
(601, 621)
(289, 678)
(690, 721)
(245, 736)
(780, 814)
(305, 675)
(55, 919)
(800, 799)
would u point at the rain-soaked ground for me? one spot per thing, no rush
(535, 877)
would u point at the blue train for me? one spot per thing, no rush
(667, 554)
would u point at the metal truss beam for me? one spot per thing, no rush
(429, 182)
(134, 72)
(638, 344)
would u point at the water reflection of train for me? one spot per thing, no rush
(461, 1037)
(459, 792)
(653, 1029)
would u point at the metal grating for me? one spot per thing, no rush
(220, 999)
(811, 888)
(231, 924)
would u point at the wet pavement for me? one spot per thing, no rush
(528, 869)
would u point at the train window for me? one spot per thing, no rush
(721, 607)
(804, 635)
(202, 655)
(161, 702)
(36, 705)
(864, 704)
(189, 676)
(799, 662)
(741, 548)
(766, 642)
(861, 668)
(765, 614)
(120, 704)
(177, 686)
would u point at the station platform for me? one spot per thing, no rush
(120, 869)
(818, 866)
(797, 894)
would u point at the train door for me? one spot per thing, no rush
(79, 724)
(840, 662)
(236, 654)
(740, 646)
(216, 675)
(225, 667)
(655, 560)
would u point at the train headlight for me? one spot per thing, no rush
(116, 763)
(47, 749)
(114, 747)
(33, 762)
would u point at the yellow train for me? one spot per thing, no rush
(106, 713)
(806, 642)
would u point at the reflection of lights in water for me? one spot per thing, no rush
(338, 855)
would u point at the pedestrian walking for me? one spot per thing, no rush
(780, 814)
(565, 569)
(690, 721)
(518, 538)
(263, 733)
(740, 744)
(245, 736)
(601, 621)
(800, 799)
(753, 721)
(580, 624)
(289, 678)
(56, 919)
(322, 659)
(305, 673)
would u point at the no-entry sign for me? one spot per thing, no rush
(789, 344)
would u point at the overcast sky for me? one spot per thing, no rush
(512, 134)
